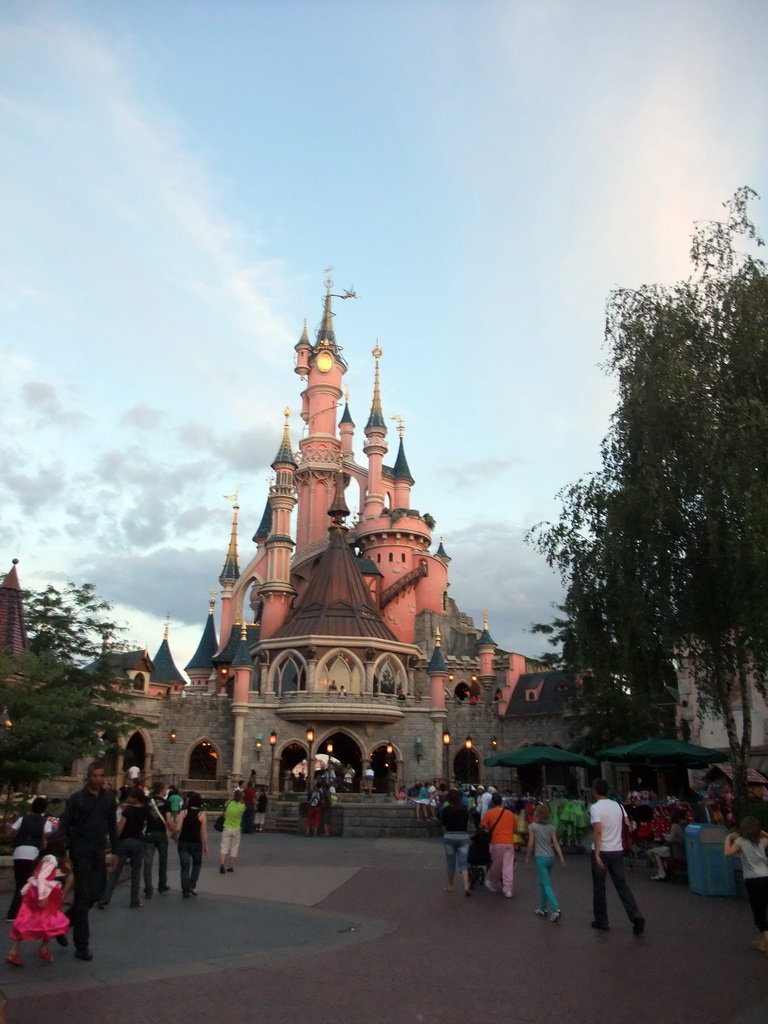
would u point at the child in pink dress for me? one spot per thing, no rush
(40, 915)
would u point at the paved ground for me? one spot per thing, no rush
(360, 930)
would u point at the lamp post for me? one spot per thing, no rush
(390, 750)
(272, 743)
(259, 738)
(468, 758)
(329, 751)
(446, 748)
(310, 740)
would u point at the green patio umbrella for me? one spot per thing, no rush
(660, 753)
(537, 755)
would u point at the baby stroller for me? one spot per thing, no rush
(478, 859)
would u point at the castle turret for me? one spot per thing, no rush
(165, 676)
(13, 631)
(486, 649)
(401, 473)
(200, 667)
(230, 572)
(346, 430)
(242, 665)
(375, 448)
(276, 592)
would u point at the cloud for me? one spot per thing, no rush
(169, 579)
(476, 471)
(142, 417)
(494, 569)
(43, 398)
(243, 451)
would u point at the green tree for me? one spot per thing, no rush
(664, 551)
(62, 694)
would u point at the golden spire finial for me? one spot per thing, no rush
(346, 395)
(376, 353)
(485, 619)
(233, 498)
(287, 413)
(244, 631)
(211, 602)
(437, 636)
(167, 624)
(400, 425)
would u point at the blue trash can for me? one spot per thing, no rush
(710, 872)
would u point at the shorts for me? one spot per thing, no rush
(230, 842)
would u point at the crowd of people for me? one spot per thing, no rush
(85, 851)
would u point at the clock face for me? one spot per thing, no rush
(324, 362)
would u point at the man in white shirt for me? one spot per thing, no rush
(607, 818)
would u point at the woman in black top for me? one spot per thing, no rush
(131, 846)
(193, 843)
(455, 818)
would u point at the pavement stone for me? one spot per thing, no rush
(361, 930)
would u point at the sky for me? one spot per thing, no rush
(177, 177)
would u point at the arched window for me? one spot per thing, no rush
(343, 670)
(289, 675)
(138, 682)
(386, 678)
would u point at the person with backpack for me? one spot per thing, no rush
(315, 800)
(28, 832)
(159, 826)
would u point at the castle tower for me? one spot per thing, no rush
(165, 674)
(322, 366)
(276, 590)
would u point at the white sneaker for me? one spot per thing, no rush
(555, 915)
(540, 913)
(508, 894)
(490, 886)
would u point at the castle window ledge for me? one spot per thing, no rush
(323, 707)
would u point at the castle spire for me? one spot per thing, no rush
(231, 570)
(376, 419)
(339, 510)
(285, 453)
(325, 335)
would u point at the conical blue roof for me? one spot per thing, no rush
(265, 526)
(401, 470)
(165, 667)
(203, 656)
(437, 664)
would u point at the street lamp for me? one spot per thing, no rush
(419, 746)
(272, 742)
(310, 740)
(446, 747)
(390, 750)
(468, 758)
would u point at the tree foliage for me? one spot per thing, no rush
(665, 550)
(61, 694)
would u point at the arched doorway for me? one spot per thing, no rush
(203, 762)
(346, 752)
(291, 755)
(461, 692)
(135, 753)
(384, 764)
(466, 766)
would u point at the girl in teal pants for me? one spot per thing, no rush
(543, 844)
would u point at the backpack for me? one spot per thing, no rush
(314, 798)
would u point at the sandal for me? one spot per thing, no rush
(14, 960)
(45, 956)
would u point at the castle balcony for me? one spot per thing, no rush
(355, 707)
